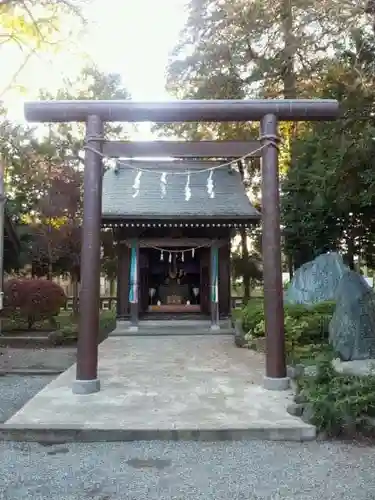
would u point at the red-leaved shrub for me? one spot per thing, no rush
(33, 299)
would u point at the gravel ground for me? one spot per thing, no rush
(52, 358)
(187, 471)
(177, 471)
(16, 390)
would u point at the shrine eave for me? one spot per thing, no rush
(230, 222)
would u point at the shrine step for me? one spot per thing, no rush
(171, 327)
(160, 316)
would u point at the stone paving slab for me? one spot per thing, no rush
(164, 388)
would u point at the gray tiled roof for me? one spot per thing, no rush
(230, 199)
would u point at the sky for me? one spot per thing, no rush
(130, 37)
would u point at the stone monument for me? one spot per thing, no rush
(317, 280)
(352, 328)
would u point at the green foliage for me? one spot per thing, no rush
(57, 217)
(328, 195)
(219, 56)
(247, 264)
(43, 180)
(252, 314)
(306, 327)
(339, 404)
(68, 332)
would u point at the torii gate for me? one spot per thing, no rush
(95, 113)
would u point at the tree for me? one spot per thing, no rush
(254, 48)
(237, 49)
(33, 26)
(247, 262)
(58, 213)
(328, 196)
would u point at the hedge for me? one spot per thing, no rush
(305, 326)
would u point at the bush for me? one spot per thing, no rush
(306, 327)
(252, 314)
(33, 300)
(338, 403)
(107, 323)
(315, 318)
(68, 333)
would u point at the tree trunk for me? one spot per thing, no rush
(288, 72)
(351, 252)
(112, 283)
(245, 251)
(289, 51)
(50, 266)
(50, 271)
(290, 266)
(75, 285)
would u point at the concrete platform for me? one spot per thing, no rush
(170, 388)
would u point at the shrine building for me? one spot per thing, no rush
(173, 222)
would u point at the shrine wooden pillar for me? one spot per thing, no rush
(123, 268)
(214, 285)
(275, 378)
(89, 298)
(134, 284)
(204, 292)
(224, 280)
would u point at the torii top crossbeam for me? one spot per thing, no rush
(182, 111)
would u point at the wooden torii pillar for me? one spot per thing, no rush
(94, 113)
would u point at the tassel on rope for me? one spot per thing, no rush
(187, 188)
(170, 257)
(137, 184)
(161, 255)
(193, 252)
(163, 184)
(210, 185)
(183, 256)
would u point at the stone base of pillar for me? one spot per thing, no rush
(276, 384)
(86, 386)
(133, 328)
(134, 314)
(214, 316)
(214, 327)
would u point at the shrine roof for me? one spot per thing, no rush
(122, 200)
